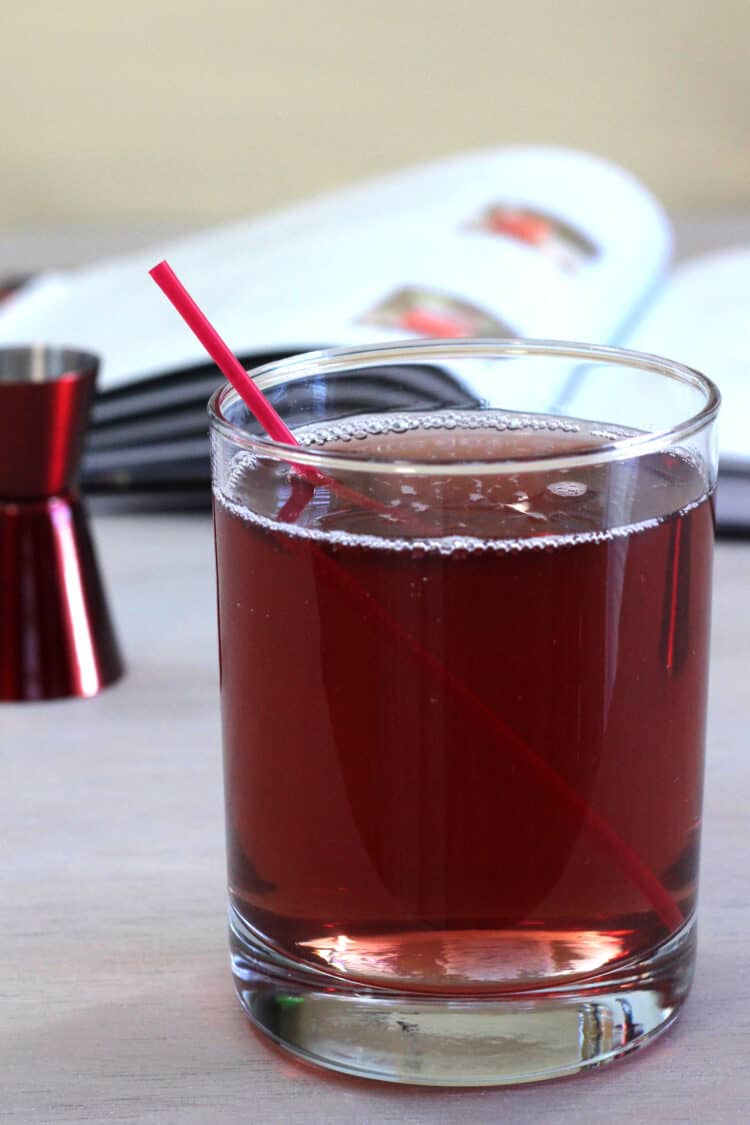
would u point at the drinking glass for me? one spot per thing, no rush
(464, 632)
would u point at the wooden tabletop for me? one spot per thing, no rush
(116, 1002)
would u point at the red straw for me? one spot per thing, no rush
(223, 357)
(629, 862)
(227, 362)
(247, 389)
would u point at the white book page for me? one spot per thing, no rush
(702, 318)
(536, 242)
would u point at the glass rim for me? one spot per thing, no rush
(330, 360)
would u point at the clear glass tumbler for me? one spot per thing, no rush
(464, 634)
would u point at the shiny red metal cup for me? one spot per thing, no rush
(56, 634)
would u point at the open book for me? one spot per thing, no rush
(534, 242)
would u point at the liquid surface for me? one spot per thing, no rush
(464, 716)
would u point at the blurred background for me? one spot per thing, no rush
(189, 113)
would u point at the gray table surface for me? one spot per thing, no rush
(116, 1002)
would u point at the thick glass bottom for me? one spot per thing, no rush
(452, 1039)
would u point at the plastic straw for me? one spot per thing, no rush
(220, 353)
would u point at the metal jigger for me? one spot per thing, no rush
(56, 637)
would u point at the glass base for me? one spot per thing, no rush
(454, 1040)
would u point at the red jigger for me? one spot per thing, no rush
(56, 636)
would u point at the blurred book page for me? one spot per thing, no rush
(701, 318)
(535, 242)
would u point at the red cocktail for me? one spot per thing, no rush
(463, 695)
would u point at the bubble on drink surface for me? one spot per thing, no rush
(240, 466)
(232, 492)
(611, 433)
(520, 502)
(567, 489)
(444, 546)
(367, 425)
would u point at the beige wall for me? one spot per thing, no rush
(127, 109)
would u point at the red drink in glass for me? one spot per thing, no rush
(464, 728)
